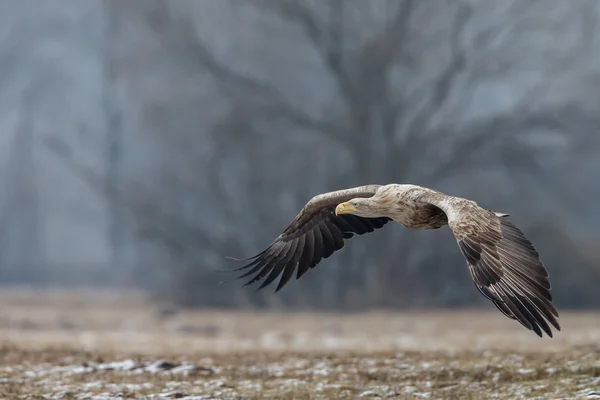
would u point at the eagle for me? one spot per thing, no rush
(503, 263)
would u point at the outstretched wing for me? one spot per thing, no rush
(316, 233)
(503, 263)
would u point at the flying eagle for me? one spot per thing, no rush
(503, 263)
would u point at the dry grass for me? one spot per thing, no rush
(70, 345)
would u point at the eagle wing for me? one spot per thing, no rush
(503, 263)
(316, 233)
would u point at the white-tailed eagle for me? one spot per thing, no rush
(504, 265)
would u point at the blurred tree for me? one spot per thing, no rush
(114, 156)
(21, 225)
(253, 107)
(392, 83)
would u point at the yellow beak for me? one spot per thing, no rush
(343, 208)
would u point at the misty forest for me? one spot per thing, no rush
(144, 141)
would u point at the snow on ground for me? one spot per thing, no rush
(65, 345)
(306, 375)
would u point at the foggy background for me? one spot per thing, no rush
(142, 141)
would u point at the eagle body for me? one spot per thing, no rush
(504, 265)
(409, 206)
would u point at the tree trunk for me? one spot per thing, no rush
(114, 156)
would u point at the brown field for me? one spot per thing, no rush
(106, 345)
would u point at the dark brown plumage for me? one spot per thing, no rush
(507, 270)
(316, 233)
(503, 263)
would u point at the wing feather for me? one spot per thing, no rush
(503, 263)
(337, 235)
(267, 264)
(281, 263)
(319, 245)
(328, 242)
(291, 265)
(307, 255)
(315, 234)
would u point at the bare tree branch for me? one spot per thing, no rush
(385, 47)
(266, 100)
(442, 84)
(386, 132)
(326, 39)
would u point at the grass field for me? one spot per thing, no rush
(103, 345)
